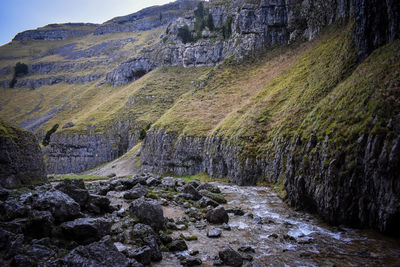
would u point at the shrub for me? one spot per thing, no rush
(227, 28)
(20, 69)
(185, 34)
(46, 139)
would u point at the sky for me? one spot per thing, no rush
(21, 15)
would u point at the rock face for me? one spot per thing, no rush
(54, 32)
(257, 27)
(21, 161)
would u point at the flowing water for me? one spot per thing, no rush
(284, 237)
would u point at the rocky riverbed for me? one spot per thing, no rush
(163, 221)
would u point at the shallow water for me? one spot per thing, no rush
(284, 237)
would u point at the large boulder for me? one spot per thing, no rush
(145, 236)
(21, 161)
(148, 212)
(86, 230)
(136, 192)
(217, 215)
(61, 206)
(189, 189)
(230, 257)
(76, 189)
(102, 253)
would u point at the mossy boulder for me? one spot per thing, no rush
(21, 161)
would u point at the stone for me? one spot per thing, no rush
(191, 261)
(75, 188)
(230, 257)
(217, 215)
(247, 249)
(177, 245)
(21, 161)
(86, 230)
(189, 189)
(148, 211)
(99, 204)
(101, 253)
(61, 206)
(205, 202)
(168, 182)
(136, 192)
(22, 261)
(142, 254)
(39, 224)
(209, 187)
(214, 232)
(153, 181)
(145, 235)
(217, 198)
(236, 211)
(195, 183)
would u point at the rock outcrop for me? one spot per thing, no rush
(54, 32)
(21, 161)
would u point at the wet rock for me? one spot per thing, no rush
(136, 192)
(86, 230)
(177, 245)
(205, 202)
(61, 206)
(143, 234)
(230, 257)
(102, 253)
(148, 211)
(236, 211)
(214, 232)
(142, 255)
(217, 198)
(189, 189)
(217, 215)
(75, 188)
(209, 187)
(191, 261)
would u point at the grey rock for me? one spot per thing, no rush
(148, 211)
(142, 254)
(189, 189)
(137, 191)
(61, 206)
(145, 235)
(217, 215)
(209, 187)
(21, 161)
(75, 188)
(230, 257)
(191, 261)
(86, 230)
(214, 232)
(217, 198)
(177, 245)
(102, 253)
(98, 204)
(205, 202)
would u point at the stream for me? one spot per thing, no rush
(282, 236)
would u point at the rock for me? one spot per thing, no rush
(177, 245)
(21, 161)
(209, 187)
(217, 198)
(247, 249)
(12, 209)
(68, 125)
(3, 194)
(188, 237)
(169, 182)
(101, 253)
(165, 239)
(61, 206)
(75, 188)
(40, 253)
(22, 261)
(236, 211)
(217, 215)
(98, 204)
(142, 255)
(148, 212)
(86, 230)
(214, 233)
(205, 202)
(39, 224)
(137, 191)
(230, 257)
(153, 181)
(146, 236)
(189, 189)
(195, 183)
(191, 261)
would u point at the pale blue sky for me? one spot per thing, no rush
(20, 15)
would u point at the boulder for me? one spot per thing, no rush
(61, 206)
(142, 254)
(189, 189)
(101, 253)
(217, 215)
(205, 202)
(214, 233)
(39, 224)
(98, 204)
(169, 182)
(86, 230)
(136, 192)
(21, 161)
(217, 198)
(144, 235)
(75, 188)
(177, 245)
(191, 261)
(209, 187)
(148, 211)
(230, 257)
